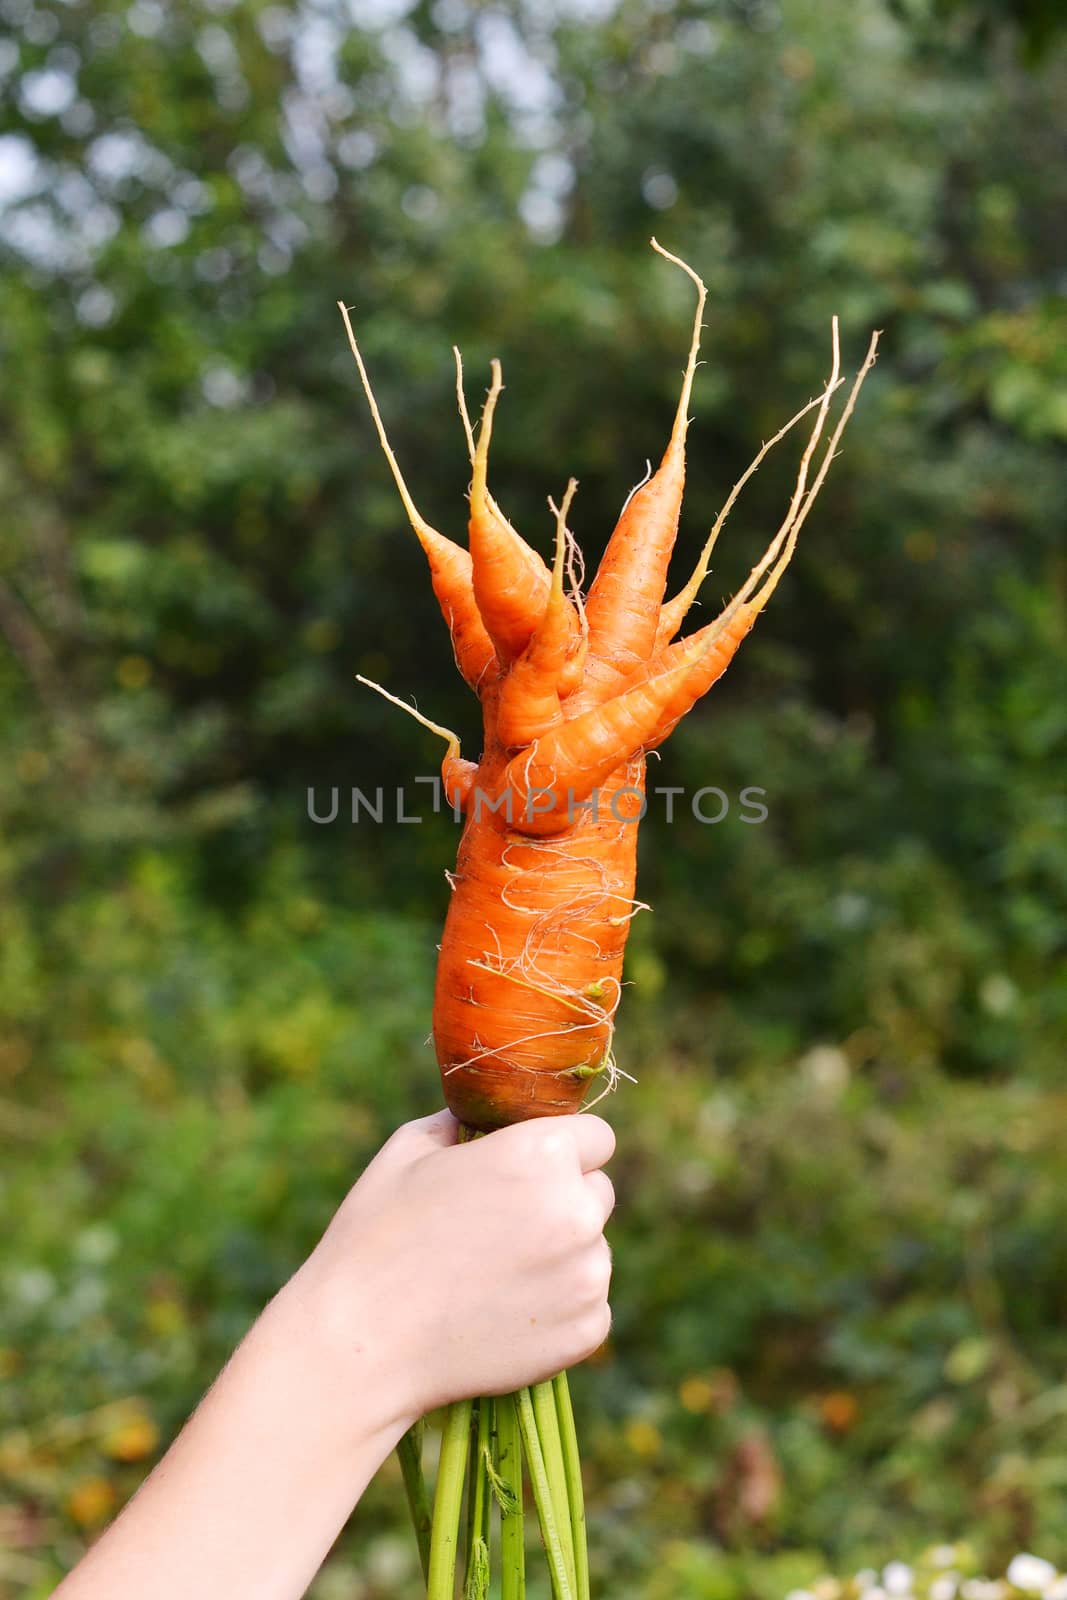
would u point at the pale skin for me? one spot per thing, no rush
(385, 1321)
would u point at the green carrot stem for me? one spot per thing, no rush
(486, 1446)
(546, 1511)
(572, 1464)
(409, 1451)
(544, 1406)
(448, 1502)
(472, 1476)
(476, 1576)
(512, 1521)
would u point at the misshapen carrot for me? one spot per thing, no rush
(530, 969)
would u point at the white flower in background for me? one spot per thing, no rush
(943, 1555)
(939, 1579)
(944, 1587)
(983, 1589)
(1031, 1573)
(897, 1578)
(32, 1286)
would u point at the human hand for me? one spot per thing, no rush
(449, 1269)
(472, 1268)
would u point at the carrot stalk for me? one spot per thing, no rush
(409, 1451)
(575, 1492)
(547, 1419)
(476, 1578)
(512, 1522)
(448, 1502)
(562, 1587)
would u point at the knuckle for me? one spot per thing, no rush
(590, 1281)
(593, 1329)
(594, 1276)
(556, 1144)
(507, 1148)
(605, 1131)
(512, 1136)
(597, 1277)
(586, 1221)
(600, 1185)
(556, 1207)
(541, 1141)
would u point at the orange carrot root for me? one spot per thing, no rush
(573, 694)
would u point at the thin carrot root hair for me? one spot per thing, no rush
(675, 611)
(451, 739)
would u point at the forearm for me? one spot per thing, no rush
(251, 1496)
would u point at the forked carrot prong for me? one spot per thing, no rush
(529, 695)
(674, 612)
(799, 507)
(510, 580)
(801, 516)
(625, 599)
(468, 431)
(575, 618)
(450, 565)
(710, 650)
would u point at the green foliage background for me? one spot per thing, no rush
(841, 1320)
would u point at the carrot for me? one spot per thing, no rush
(573, 696)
